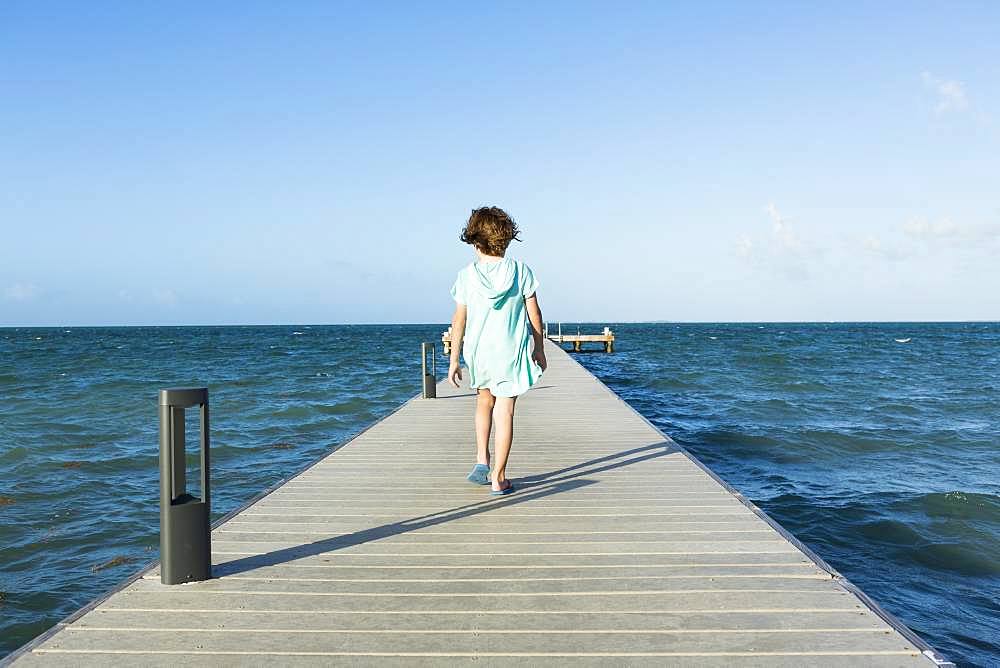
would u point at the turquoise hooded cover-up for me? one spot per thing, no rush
(497, 344)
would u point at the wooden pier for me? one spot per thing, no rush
(617, 548)
(606, 338)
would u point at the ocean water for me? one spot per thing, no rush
(878, 445)
(79, 448)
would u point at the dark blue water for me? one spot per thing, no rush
(882, 456)
(79, 437)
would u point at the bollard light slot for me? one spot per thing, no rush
(192, 454)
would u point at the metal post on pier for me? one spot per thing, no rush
(430, 379)
(185, 520)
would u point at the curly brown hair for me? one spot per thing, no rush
(490, 230)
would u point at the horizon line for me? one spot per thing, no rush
(573, 322)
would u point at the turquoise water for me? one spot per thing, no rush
(882, 456)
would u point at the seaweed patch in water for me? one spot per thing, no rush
(117, 561)
(6, 501)
(72, 465)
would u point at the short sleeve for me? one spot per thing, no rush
(458, 288)
(529, 284)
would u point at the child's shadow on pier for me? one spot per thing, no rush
(392, 529)
(532, 488)
(601, 464)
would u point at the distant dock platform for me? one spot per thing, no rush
(618, 548)
(606, 338)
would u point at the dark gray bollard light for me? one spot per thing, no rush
(185, 520)
(430, 379)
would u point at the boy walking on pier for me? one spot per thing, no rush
(497, 327)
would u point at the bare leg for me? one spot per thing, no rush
(503, 416)
(484, 422)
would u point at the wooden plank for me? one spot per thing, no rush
(758, 619)
(484, 642)
(286, 550)
(616, 547)
(492, 573)
(228, 565)
(196, 598)
(197, 658)
(512, 525)
(513, 585)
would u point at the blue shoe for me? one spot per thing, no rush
(503, 492)
(480, 475)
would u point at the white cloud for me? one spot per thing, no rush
(744, 246)
(167, 297)
(950, 94)
(932, 239)
(945, 231)
(781, 231)
(805, 253)
(873, 245)
(924, 229)
(782, 251)
(22, 292)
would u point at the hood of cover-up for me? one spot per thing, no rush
(494, 281)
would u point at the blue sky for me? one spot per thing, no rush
(314, 162)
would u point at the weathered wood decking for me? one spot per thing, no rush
(618, 548)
